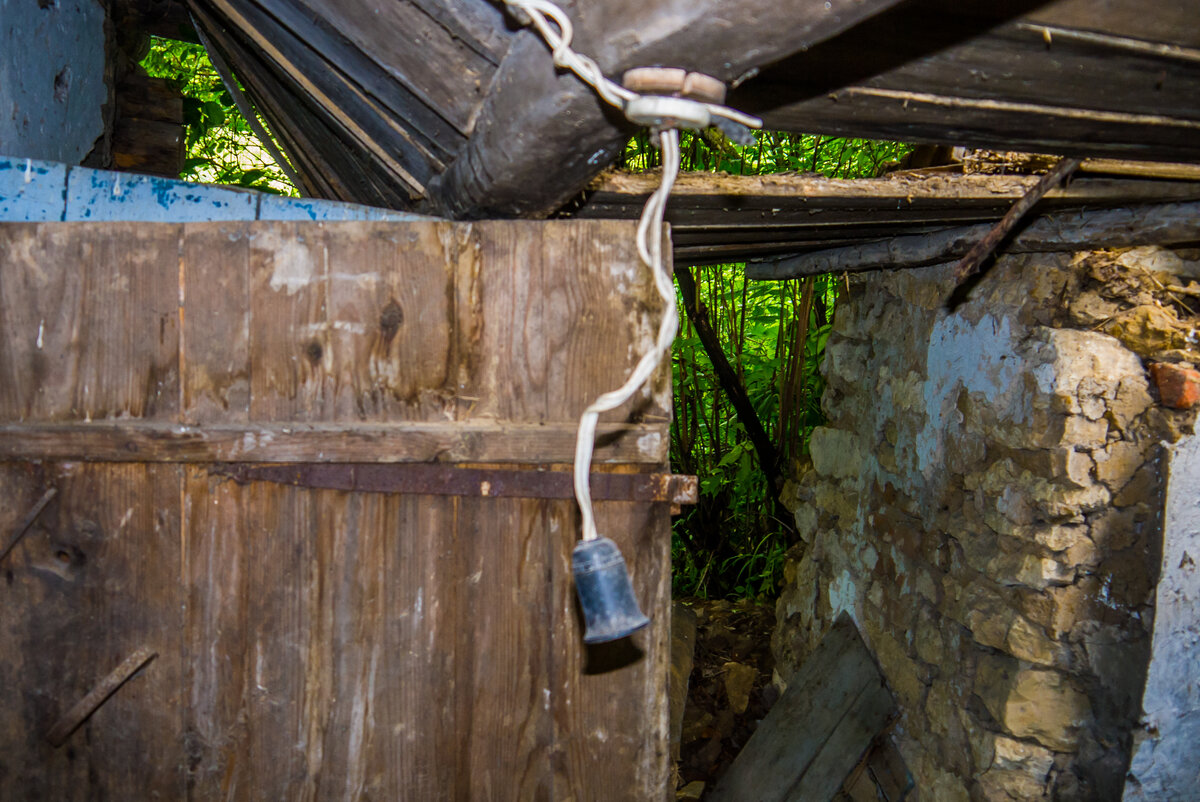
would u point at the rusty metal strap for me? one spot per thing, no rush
(449, 480)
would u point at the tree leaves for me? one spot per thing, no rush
(221, 147)
(774, 335)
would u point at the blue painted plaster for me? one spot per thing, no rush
(32, 192)
(51, 78)
(277, 207)
(107, 195)
(40, 191)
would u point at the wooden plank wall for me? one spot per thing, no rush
(311, 643)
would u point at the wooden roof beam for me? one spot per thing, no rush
(1160, 224)
(541, 134)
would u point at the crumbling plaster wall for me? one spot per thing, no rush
(1166, 758)
(52, 78)
(986, 501)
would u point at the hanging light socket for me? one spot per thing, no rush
(610, 609)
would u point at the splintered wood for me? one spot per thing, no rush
(312, 641)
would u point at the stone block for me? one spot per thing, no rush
(1079, 432)
(1031, 703)
(1147, 330)
(1119, 528)
(1030, 643)
(1022, 756)
(1118, 462)
(1178, 386)
(1145, 486)
(1008, 785)
(1071, 466)
(901, 671)
(1059, 537)
(836, 452)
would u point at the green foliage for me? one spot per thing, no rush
(772, 152)
(221, 147)
(774, 335)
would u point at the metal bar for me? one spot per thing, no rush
(450, 480)
(79, 713)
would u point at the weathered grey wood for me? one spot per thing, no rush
(926, 73)
(718, 218)
(834, 706)
(533, 115)
(1164, 224)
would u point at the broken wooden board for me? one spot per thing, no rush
(717, 218)
(817, 732)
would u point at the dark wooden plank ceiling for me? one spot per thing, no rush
(725, 218)
(444, 106)
(1106, 77)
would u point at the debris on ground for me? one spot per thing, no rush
(729, 691)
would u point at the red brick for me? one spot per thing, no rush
(1178, 387)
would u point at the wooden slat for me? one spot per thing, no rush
(88, 327)
(591, 717)
(301, 322)
(335, 442)
(93, 582)
(727, 218)
(215, 347)
(834, 706)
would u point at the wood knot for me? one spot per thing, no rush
(390, 320)
(314, 352)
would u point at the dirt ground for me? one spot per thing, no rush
(729, 689)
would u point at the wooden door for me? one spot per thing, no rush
(319, 473)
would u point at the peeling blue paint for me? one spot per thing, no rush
(51, 78)
(36, 200)
(33, 191)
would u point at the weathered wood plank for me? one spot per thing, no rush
(502, 168)
(834, 706)
(389, 332)
(718, 218)
(93, 581)
(504, 717)
(933, 70)
(499, 314)
(289, 325)
(1165, 224)
(88, 326)
(215, 347)
(468, 441)
(600, 690)
(457, 480)
(581, 310)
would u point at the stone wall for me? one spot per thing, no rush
(986, 501)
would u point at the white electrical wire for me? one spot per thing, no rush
(541, 13)
(649, 245)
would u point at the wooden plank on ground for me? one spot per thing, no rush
(835, 705)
